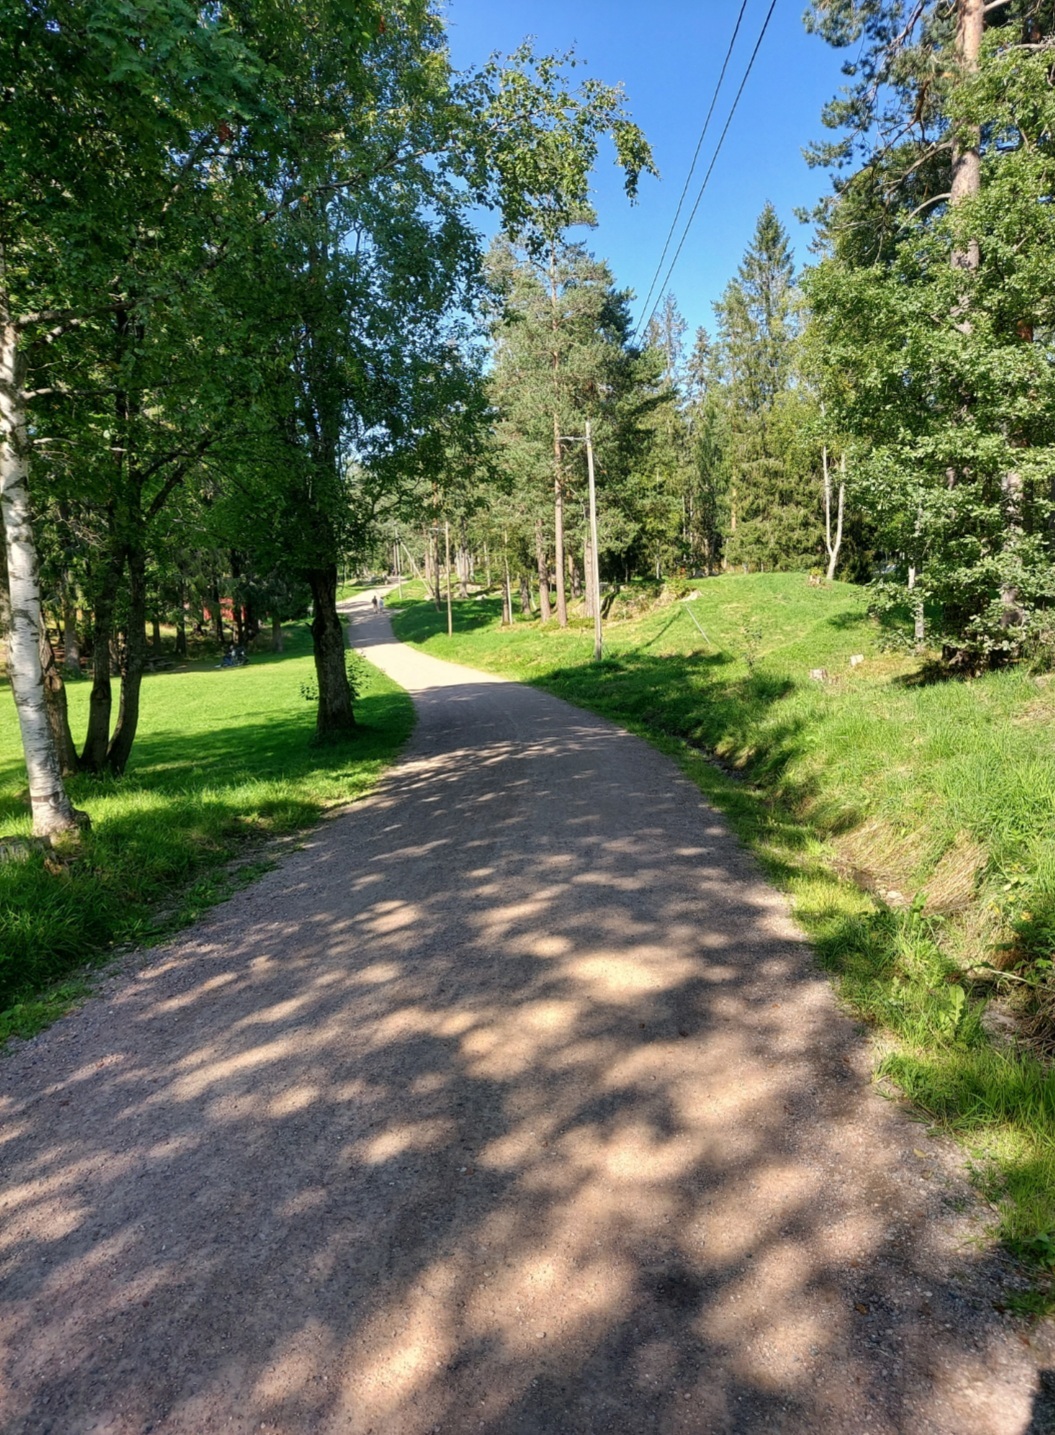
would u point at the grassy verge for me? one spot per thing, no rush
(911, 822)
(222, 761)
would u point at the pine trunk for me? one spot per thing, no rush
(558, 527)
(277, 639)
(335, 716)
(53, 812)
(966, 155)
(542, 565)
(507, 594)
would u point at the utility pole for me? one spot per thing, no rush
(447, 542)
(595, 576)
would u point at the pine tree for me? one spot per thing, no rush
(562, 355)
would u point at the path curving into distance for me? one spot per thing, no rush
(511, 1103)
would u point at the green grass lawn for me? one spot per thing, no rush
(222, 760)
(912, 822)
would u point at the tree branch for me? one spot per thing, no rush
(934, 199)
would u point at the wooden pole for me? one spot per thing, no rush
(595, 575)
(447, 541)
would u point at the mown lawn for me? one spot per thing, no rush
(912, 821)
(223, 760)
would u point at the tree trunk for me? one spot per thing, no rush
(919, 622)
(966, 156)
(833, 546)
(587, 568)
(216, 615)
(100, 699)
(447, 554)
(507, 593)
(252, 622)
(181, 621)
(1011, 614)
(71, 643)
(120, 747)
(277, 639)
(525, 596)
(52, 810)
(558, 527)
(542, 564)
(5, 599)
(58, 712)
(335, 716)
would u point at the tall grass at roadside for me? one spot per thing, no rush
(223, 759)
(912, 821)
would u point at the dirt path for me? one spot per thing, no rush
(511, 1103)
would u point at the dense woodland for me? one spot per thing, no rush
(252, 337)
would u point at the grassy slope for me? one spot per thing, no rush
(860, 794)
(223, 759)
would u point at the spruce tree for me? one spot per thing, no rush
(771, 510)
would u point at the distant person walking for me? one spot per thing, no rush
(374, 601)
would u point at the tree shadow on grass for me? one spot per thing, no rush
(184, 809)
(932, 673)
(842, 622)
(693, 699)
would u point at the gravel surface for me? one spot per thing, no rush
(512, 1102)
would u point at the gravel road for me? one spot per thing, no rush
(511, 1102)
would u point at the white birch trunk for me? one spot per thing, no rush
(833, 546)
(52, 810)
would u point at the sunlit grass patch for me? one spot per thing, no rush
(223, 760)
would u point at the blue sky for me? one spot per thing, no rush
(668, 56)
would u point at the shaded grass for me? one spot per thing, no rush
(912, 824)
(223, 761)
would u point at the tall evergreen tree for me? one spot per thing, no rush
(666, 502)
(771, 519)
(707, 484)
(563, 354)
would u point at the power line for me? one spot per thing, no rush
(695, 157)
(714, 157)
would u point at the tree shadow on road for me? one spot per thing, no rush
(500, 1108)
